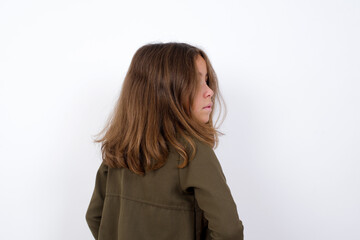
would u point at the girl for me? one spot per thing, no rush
(160, 178)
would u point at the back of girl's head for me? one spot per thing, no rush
(154, 109)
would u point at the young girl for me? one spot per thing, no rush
(160, 178)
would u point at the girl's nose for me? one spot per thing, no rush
(209, 92)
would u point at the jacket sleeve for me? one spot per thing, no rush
(94, 211)
(205, 176)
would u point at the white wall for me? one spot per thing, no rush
(289, 72)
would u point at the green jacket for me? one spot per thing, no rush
(192, 203)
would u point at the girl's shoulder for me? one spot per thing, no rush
(199, 145)
(204, 155)
(203, 149)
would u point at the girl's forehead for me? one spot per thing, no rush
(201, 66)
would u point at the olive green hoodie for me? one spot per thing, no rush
(169, 203)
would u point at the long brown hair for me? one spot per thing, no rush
(153, 109)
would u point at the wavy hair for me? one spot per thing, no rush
(153, 109)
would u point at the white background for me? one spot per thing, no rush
(289, 72)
